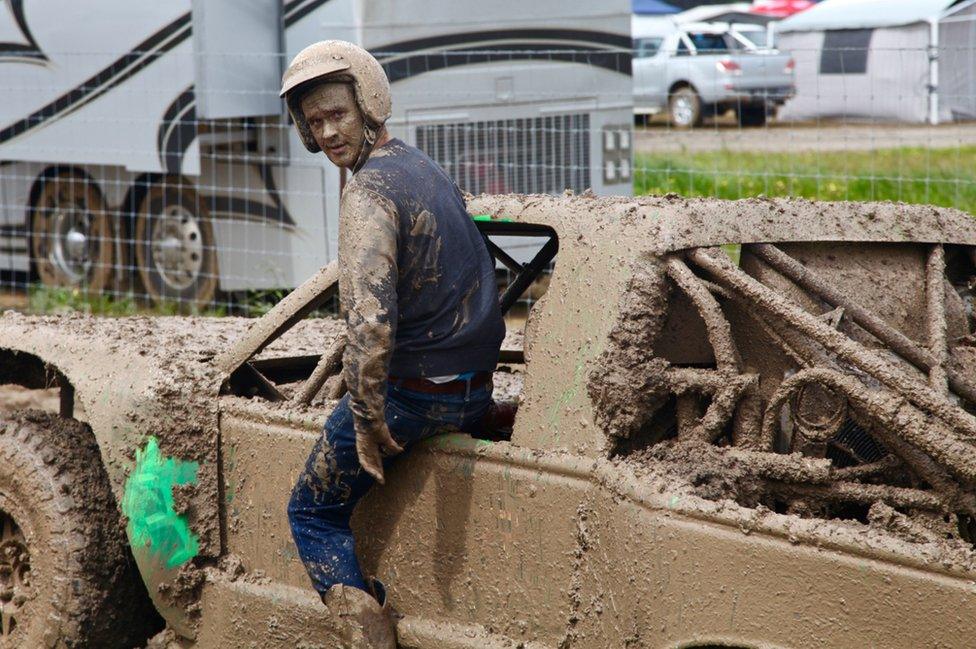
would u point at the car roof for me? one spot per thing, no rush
(662, 224)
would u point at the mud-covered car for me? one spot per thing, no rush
(744, 424)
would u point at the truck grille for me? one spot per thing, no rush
(543, 155)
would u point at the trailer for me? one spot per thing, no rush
(144, 144)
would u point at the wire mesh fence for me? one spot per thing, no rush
(167, 177)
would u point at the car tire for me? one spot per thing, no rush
(174, 246)
(752, 115)
(67, 576)
(71, 235)
(685, 108)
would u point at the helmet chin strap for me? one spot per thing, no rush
(369, 139)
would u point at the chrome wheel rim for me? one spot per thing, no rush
(682, 110)
(176, 243)
(16, 589)
(72, 245)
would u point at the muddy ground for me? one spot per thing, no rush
(725, 134)
(14, 397)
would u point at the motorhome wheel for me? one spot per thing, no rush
(174, 246)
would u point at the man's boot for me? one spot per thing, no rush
(365, 623)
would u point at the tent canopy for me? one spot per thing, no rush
(652, 8)
(863, 14)
(780, 8)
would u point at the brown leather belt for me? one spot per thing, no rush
(480, 379)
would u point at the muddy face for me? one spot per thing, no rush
(335, 121)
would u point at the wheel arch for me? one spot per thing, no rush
(678, 85)
(117, 410)
(33, 372)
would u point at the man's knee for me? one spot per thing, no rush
(301, 501)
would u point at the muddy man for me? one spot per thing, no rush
(418, 293)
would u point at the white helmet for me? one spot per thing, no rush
(342, 59)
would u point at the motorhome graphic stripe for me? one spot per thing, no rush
(403, 67)
(29, 52)
(138, 58)
(298, 9)
(601, 49)
(234, 208)
(461, 40)
(267, 175)
(177, 131)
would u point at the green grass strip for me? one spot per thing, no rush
(943, 177)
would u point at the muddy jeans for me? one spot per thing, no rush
(333, 482)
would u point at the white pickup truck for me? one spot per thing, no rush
(699, 69)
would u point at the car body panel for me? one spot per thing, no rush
(546, 539)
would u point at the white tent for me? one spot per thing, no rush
(882, 60)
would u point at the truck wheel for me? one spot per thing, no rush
(685, 108)
(70, 233)
(752, 115)
(174, 246)
(67, 577)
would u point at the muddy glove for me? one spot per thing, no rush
(371, 445)
(367, 288)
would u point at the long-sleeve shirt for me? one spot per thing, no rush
(416, 283)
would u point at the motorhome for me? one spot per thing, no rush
(146, 141)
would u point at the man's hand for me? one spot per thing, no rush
(371, 445)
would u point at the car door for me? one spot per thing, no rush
(649, 73)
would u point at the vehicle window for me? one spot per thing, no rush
(845, 51)
(709, 43)
(733, 44)
(645, 48)
(757, 38)
(682, 49)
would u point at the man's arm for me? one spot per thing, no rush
(367, 288)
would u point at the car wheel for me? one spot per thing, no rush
(67, 577)
(685, 108)
(752, 115)
(174, 247)
(71, 238)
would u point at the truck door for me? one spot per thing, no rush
(649, 73)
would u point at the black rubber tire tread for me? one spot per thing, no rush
(751, 115)
(88, 592)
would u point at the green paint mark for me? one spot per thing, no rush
(457, 440)
(673, 502)
(487, 218)
(148, 504)
(557, 409)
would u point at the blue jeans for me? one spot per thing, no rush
(333, 481)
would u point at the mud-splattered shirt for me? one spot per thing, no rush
(417, 284)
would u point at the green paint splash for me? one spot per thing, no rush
(148, 504)
(487, 218)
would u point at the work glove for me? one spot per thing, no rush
(372, 443)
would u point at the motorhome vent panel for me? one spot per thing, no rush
(544, 155)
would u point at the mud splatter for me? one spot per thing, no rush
(627, 382)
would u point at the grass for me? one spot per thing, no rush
(941, 177)
(54, 300)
